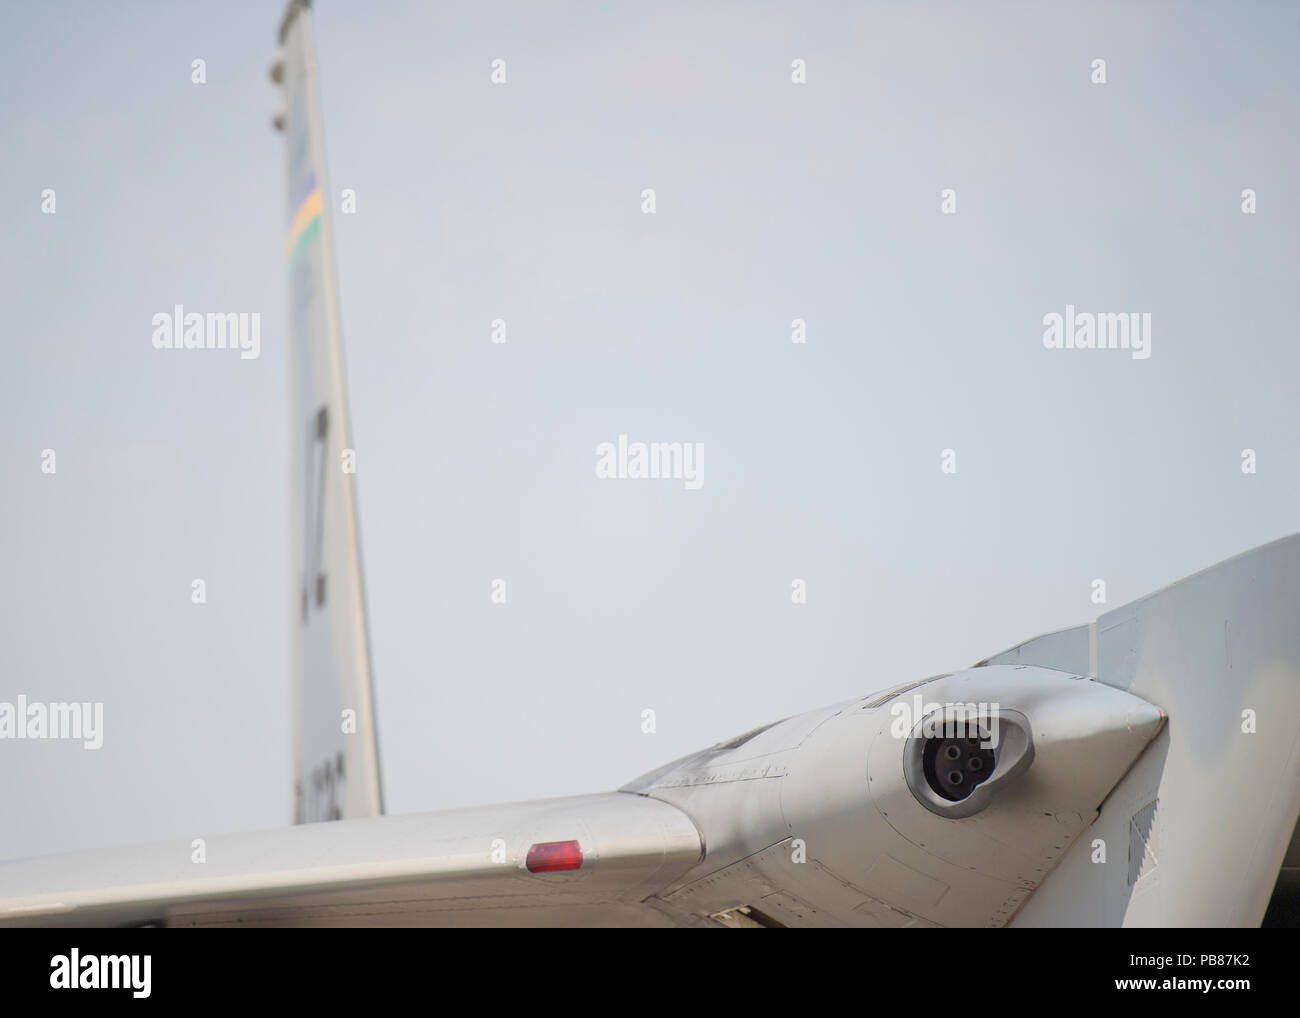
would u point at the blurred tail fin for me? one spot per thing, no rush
(336, 757)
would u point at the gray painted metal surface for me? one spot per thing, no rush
(1201, 825)
(459, 867)
(811, 821)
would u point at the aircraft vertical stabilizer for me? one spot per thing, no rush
(336, 757)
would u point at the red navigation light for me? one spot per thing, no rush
(550, 856)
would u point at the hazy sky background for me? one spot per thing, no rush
(476, 461)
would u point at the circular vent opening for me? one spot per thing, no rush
(956, 764)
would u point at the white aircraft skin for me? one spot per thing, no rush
(813, 822)
(1139, 770)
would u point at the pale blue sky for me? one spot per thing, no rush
(476, 461)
